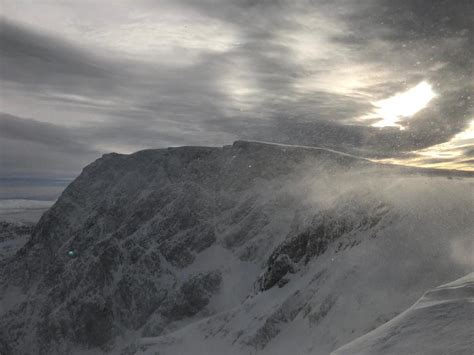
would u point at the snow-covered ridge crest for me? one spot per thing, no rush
(292, 146)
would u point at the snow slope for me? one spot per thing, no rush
(441, 322)
(252, 248)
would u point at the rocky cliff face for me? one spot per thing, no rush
(228, 250)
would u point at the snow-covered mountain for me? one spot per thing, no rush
(252, 248)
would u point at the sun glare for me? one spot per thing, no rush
(402, 105)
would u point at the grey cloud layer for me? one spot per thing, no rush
(278, 80)
(31, 148)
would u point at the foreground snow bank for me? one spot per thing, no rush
(441, 322)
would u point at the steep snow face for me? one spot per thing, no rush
(250, 248)
(441, 322)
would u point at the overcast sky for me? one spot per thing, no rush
(81, 78)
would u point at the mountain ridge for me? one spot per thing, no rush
(257, 143)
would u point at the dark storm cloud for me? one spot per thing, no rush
(259, 87)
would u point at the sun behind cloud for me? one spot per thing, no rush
(391, 111)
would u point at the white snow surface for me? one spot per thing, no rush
(441, 322)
